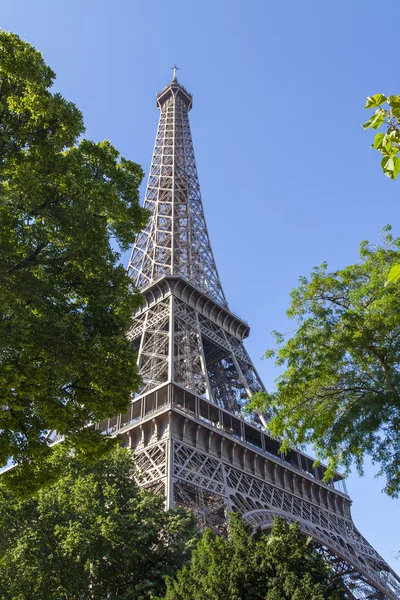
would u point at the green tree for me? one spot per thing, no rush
(280, 565)
(340, 390)
(65, 302)
(92, 535)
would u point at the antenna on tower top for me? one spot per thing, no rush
(175, 69)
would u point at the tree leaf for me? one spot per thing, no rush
(375, 101)
(388, 166)
(396, 166)
(394, 275)
(376, 120)
(394, 101)
(378, 140)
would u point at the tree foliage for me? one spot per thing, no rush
(340, 389)
(388, 144)
(65, 302)
(387, 114)
(276, 566)
(92, 535)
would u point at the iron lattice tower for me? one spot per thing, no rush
(190, 441)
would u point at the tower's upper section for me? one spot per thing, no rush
(177, 90)
(176, 240)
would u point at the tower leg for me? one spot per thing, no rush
(169, 481)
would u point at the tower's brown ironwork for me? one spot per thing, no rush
(191, 441)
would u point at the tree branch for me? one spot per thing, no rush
(29, 259)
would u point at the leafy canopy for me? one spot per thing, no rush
(281, 565)
(93, 534)
(340, 390)
(65, 302)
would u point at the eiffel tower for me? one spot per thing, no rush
(190, 439)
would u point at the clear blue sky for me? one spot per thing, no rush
(287, 176)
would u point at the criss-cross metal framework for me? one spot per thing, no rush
(176, 239)
(190, 439)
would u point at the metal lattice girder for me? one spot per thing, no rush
(151, 464)
(176, 343)
(189, 361)
(154, 333)
(209, 508)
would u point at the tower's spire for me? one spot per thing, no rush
(174, 69)
(176, 240)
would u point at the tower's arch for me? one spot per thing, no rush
(363, 571)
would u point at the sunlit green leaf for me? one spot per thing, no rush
(394, 274)
(375, 101)
(376, 120)
(378, 140)
(388, 166)
(396, 166)
(394, 101)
